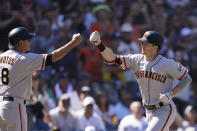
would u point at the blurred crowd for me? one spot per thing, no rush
(80, 92)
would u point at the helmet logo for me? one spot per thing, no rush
(146, 34)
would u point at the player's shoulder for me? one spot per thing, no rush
(30, 55)
(166, 60)
(128, 118)
(168, 63)
(8, 52)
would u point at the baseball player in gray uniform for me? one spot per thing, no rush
(16, 68)
(155, 75)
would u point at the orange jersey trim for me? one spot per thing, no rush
(183, 75)
(43, 61)
(124, 62)
(168, 117)
(20, 114)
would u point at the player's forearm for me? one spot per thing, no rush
(106, 53)
(62, 51)
(182, 84)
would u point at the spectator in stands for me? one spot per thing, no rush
(103, 24)
(39, 123)
(190, 123)
(135, 121)
(9, 18)
(84, 92)
(83, 79)
(45, 38)
(122, 107)
(64, 85)
(40, 93)
(61, 116)
(88, 117)
(90, 62)
(105, 109)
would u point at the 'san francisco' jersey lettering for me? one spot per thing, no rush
(151, 75)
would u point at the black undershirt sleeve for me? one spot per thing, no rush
(49, 60)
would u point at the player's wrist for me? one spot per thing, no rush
(172, 94)
(101, 47)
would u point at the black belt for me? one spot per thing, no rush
(9, 98)
(153, 107)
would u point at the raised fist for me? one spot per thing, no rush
(95, 38)
(77, 37)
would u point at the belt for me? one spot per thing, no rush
(10, 98)
(153, 107)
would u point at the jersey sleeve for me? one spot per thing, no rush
(176, 69)
(129, 61)
(35, 61)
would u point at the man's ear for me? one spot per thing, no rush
(156, 47)
(20, 42)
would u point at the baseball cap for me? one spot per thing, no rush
(65, 97)
(186, 32)
(115, 36)
(126, 27)
(88, 100)
(85, 89)
(188, 109)
(101, 7)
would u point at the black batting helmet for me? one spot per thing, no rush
(152, 37)
(17, 34)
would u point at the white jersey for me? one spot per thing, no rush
(94, 120)
(64, 123)
(154, 77)
(131, 123)
(16, 70)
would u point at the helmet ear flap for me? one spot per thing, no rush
(12, 46)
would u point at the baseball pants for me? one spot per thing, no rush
(13, 116)
(161, 118)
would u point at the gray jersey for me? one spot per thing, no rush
(16, 72)
(154, 77)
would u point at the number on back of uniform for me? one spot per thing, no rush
(5, 76)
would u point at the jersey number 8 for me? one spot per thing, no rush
(4, 76)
